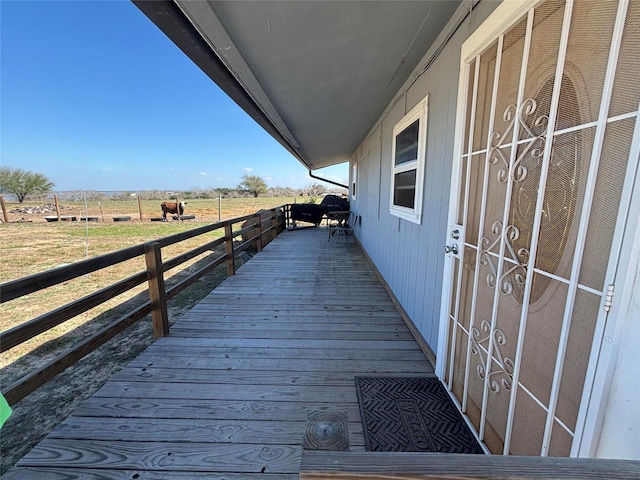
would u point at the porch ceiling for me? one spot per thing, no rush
(316, 75)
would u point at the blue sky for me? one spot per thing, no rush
(95, 97)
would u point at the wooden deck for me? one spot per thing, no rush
(227, 393)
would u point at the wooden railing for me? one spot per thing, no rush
(324, 465)
(260, 229)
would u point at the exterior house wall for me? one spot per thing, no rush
(410, 256)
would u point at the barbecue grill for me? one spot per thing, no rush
(332, 203)
(312, 213)
(307, 212)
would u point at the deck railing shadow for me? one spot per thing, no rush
(255, 231)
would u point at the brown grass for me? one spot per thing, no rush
(34, 246)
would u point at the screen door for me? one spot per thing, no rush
(550, 109)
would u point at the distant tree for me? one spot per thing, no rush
(282, 192)
(253, 184)
(90, 195)
(21, 183)
(152, 195)
(123, 196)
(224, 191)
(314, 191)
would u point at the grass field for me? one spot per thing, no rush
(33, 245)
(30, 244)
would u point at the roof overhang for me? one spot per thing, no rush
(315, 75)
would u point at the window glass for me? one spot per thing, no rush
(354, 177)
(404, 194)
(407, 144)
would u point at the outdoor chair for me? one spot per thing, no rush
(336, 219)
(345, 228)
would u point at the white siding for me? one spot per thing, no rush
(409, 256)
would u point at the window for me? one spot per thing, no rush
(354, 175)
(408, 154)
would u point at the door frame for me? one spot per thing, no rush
(501, 18)
(621, 272)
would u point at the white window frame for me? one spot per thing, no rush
(354, 178)
(420, 113)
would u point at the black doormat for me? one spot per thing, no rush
(411, 414)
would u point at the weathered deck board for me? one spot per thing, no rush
(177, 341)
(281, 393)
(165, 456)
(227, 393)
(256, 328)
(186, 431)
(243, 377)
(280, 364)
(297, 353)
(198, 409)
(51, 473)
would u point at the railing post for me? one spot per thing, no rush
(287, 215)
(259, 227)
(274, 223)
(283, 221)
(228, 242)
(157, 296)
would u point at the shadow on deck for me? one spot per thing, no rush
(227, 393)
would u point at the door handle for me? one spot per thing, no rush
(451, 249)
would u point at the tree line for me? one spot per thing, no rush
(23, 184)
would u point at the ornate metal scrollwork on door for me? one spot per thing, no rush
(516, 271)
(505, 365)
(535, 134)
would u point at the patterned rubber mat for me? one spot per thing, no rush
(411, 414)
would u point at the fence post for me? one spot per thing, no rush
(259, 226)
(55, 198)
(228, 242)
(157, 296)
(140, 207)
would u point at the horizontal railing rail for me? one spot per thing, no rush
(339, 465)
(254, 231)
